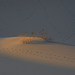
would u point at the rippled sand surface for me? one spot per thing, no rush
(38, 51)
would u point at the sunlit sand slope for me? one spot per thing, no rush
(55, 54)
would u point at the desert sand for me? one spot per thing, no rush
(38, 50)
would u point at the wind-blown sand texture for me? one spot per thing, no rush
(39, 51)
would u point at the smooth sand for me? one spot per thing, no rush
(38, 51)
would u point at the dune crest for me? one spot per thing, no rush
(55, 54)
(15, 41)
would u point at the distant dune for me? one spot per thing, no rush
(38, 50)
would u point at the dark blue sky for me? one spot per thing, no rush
(57, 17)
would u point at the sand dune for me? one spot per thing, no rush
(48, 53)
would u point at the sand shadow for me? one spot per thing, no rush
(55, 42)
(52, 42)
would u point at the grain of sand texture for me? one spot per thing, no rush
(38, 51)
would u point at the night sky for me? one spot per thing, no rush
(57, 17)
